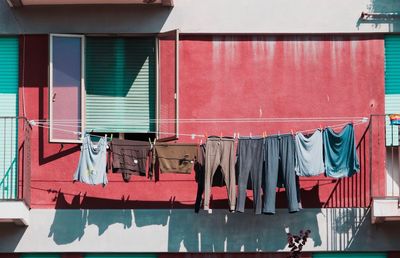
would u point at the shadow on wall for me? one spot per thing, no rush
(10, 236)
(388, 13)
(187, 231)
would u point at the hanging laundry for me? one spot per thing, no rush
(92, 162)
(394, 119)
(250, 163)
(279, 154)
(309, 154)
(199, 168)
(340, 152)
(174, 157)
(220, 153)
(129, 157)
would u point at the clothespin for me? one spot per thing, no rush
(112, 135)
(105, 136)
(151, 145)
(201, 141)
(220, 134)
(320, 127)
(292, 132)
(238, 135)
(251, 135)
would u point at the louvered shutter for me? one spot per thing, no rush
(120, 84)
(8, 108)
(392, 86)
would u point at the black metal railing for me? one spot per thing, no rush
(385, 157)
(15, 160)
(355, 191)
(379, 176)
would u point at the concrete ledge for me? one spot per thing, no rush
(14, 211)
(385, 209)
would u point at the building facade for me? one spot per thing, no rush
(182, 71)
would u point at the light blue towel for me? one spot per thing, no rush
(340, 152)
(92, 165)
(309, 154)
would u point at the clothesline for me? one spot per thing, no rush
(74, 125)
(193, 135)
(224, 120)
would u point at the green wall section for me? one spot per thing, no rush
(120, 84)
(392, 85)
(392, 64)
(8, 108)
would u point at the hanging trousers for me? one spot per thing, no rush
(250, 159)
(220, 153)
(279, 161)
(199, 167)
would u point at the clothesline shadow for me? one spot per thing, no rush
(223, 231)
(202, 232)
(84, 211)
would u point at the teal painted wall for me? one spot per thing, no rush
(8, 108)
(392, 85)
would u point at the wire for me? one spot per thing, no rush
(44, 125)
(225, 120)
(79, 133)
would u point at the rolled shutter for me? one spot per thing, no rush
(392, 86)
(120, 84)
(9, 109)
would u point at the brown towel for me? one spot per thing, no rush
(175, 157)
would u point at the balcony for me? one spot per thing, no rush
(21, 3)
(385, 193)
(15, 162)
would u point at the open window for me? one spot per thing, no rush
(168, 85)
(66, 87)
(102, 84)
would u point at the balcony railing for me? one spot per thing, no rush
(355, 191)
(385, 155)
(15, 159)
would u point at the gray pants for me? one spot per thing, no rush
(250, 159)
(279, 160)
(220, 153)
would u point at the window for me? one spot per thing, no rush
(107, 85)
(66, 87)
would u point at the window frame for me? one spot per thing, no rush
(157, 37)
(51, 81)
(176, 34)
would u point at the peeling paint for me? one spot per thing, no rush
(230, 47)
(216, 49)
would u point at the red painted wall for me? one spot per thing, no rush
(220, 77)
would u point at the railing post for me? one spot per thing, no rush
(371, 124)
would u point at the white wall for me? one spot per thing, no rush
(185, 231)
(205, 16)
